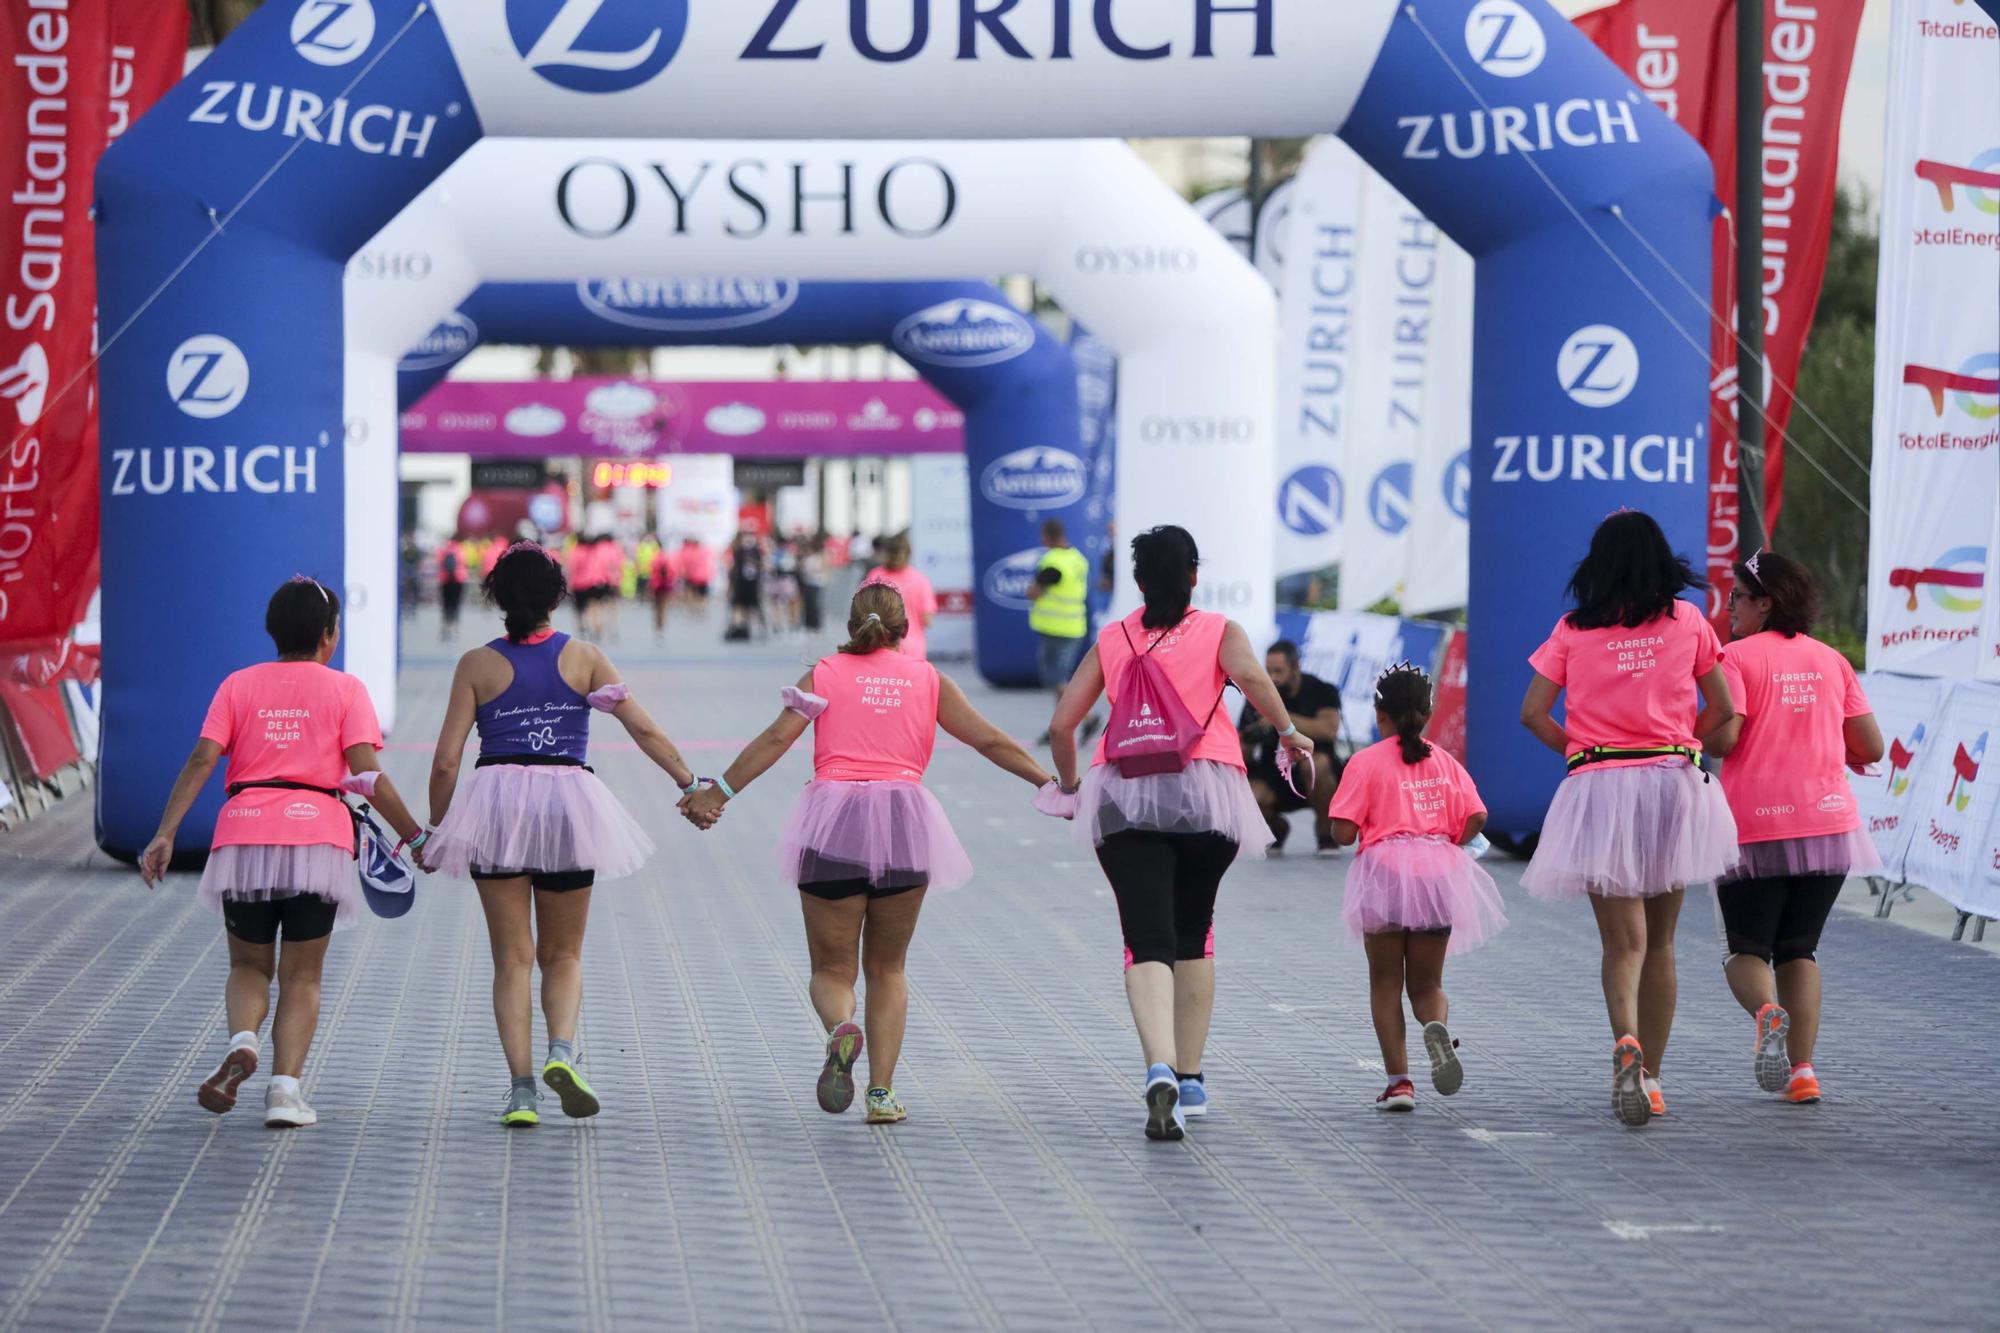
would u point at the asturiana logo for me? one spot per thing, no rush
(446, 345)
(964, 333)
(1036, 478)
(1007, 581)
(1955, 580)
(598, 46)
(687, 305)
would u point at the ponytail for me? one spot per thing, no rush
(1403, 696)
(876, 621)
(1164, 562)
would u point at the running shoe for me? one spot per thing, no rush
(1398, 1096)
(1447, 1074)
(836, 1076)
(1194, 1097)
(1656, 1098)
(578, 1101)
(218, 1094)
(883, 1108)
(1774, 1067)
(287, 1110)
(522, 1111)
(1164, 1119)
(1803, 1090)
(1628, 1083)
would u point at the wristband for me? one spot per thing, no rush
(413, 845)
(693, 786)
(1289, 732)
(722, 785)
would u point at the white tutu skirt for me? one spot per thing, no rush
(540, 819)
(1830, 854)
(258, 873)
(1633, 832)
(892, 834)
(1418, 883)
(1206, 797)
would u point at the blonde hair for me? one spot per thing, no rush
(876, 621)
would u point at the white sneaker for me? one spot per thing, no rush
(287, 1110)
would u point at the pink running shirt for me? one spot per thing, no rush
(1787, 776)
(1191, 655)
(1630, 688)
(919, 600)
(1387, 798)
(292, 722)
(698, 564)
(880, 723)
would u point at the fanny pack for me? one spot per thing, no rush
(1598, 754)
(388, 885)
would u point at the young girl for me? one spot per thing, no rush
(297, 733)
(1414, 894)
(534, 827)
(867, 839)
(1636, 821)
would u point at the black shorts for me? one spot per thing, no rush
(1778, 919)
(544, 881)
(302, 917)
(824, 877)
(1165, 884)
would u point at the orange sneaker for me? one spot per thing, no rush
(1628, 1083)
(1654, 1095)
(1804, 1087)
(1773, 1066)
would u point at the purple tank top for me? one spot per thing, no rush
(538, 715)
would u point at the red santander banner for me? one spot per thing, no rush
(1683, 54)
(148, 53)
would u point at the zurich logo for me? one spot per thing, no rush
(1458, 485)
(1389, 498)
(687, 305)
(445, 345)
(333, 32)
(1006, 583)
(1310, 501)
(208, 376)
(1036, 478)
(1598, 366)
(1504, 39)
(965, 334)
(597, 46)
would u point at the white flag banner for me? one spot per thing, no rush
(1952, 813)
(1315, 356)
(1441, 509)
(1907, 710)
(1989, 630)
(1394, 345)
(1936, 468)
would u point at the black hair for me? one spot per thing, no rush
(1789, 585)
(1163, 564)
(1630, 575)
(527, 584)
(1286, 649)
(1403, 695)
(301, 614)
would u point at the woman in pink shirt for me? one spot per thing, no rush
(297, 733)
(1414, 893)
(1801, 721)
(1636, 821)
(919, 597)
(1165, 839)
(866, 840)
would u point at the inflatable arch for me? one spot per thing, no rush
(227, 214)
(1016, 383)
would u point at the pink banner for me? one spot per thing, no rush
(629, 419)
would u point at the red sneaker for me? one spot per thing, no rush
(218, 1094)
(1398, 1096)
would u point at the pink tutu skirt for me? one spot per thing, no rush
(257, 873)
(1633, 832)
(892, 834)
(1206, 797)
(537, 818)
(1831, 854)
(1416, 883)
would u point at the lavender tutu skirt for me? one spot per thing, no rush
(892, 834)
(1633, 832)
(1422, 883)
(1206, 797)
(258, 873)
(1841, 854)
(540, 818)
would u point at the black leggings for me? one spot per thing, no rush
(1165, 884)
(1777, 919)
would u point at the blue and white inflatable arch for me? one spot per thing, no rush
(228, 214)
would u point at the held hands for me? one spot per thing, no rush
(1053, 799)
(153, 861)
(703, 806)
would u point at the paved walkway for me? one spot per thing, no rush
(1021, 1193)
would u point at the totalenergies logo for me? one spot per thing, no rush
(1965, 773)
(1974, 386)
(1954, 580)
(1980, 181)
(1902, 758)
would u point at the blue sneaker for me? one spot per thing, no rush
(1194, 1097)
(1163, 1105)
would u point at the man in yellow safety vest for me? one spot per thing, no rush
(1060, 615)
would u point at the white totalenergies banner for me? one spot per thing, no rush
(1441, 504)
(1934, 808)
(1937, 371)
